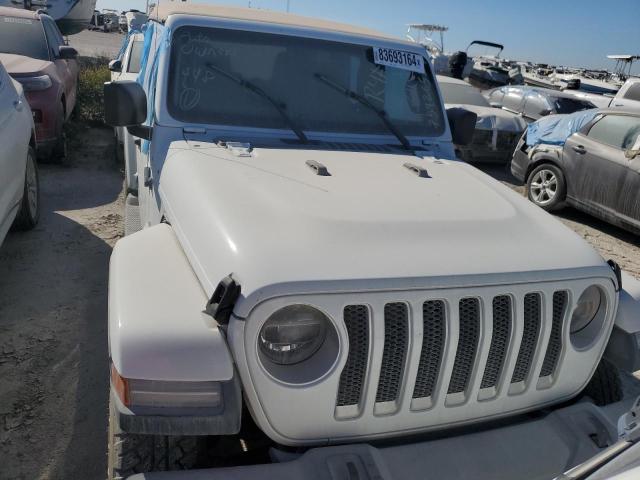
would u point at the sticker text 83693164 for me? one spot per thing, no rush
(398, 59)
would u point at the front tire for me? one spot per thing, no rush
(546, 187)
(605, 386)
(29, 212)
(131, 453)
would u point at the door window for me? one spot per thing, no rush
(633, 93)
(535, 105)
(513, 99)
(496, 96)
(619, 131)
(135, 56)
(52, 37)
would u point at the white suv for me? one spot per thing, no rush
(313, 261)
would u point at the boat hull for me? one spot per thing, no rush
(71, 16)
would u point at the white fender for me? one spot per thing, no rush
(157, 328)
(624, 345)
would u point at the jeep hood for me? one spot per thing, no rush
(21, 65)
(270, 219)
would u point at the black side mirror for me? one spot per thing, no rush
(66, 52)
(115, 65)
(125, 105)
(462, 124)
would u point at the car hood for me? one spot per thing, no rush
(270, 219)
(21, 65)
(490, 118)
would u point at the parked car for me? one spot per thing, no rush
(35, 54)
(19, 189)
(314, 266)
(127, 67)
(533, 103)
(596, 169)
(626, 98)
(497, 131)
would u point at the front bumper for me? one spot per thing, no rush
(533, 448)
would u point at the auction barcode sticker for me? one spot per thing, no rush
(398, 59)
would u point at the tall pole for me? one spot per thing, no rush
(288, 2)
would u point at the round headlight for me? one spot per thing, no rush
(293, 334)
(586, 309)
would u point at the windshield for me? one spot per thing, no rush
(454, 93)
(23, 36)
(570, 105)
(251, 79)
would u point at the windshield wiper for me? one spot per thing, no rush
(258, 91)
(360, 98)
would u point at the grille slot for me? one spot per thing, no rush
(356, 319)
(532, 313)
(395, 351)
(469, 309)
(502, 318)
(433, 335)
(555, 340)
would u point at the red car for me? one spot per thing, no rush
(34, 53)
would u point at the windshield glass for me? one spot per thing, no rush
(570, 105)
(23, 36)
(462, 94)
(229, 77)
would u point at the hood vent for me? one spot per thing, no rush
(239, 149)
(318, 168)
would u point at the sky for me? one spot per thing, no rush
(557, 32)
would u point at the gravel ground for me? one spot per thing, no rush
(53, 314)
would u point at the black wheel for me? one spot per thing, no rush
(605, 387)
(134, 453)
(546, 186)
(29, 212)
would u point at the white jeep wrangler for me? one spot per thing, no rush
(312, 267)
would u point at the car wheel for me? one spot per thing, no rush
(546, 187)
(131, 453)
(29, 211)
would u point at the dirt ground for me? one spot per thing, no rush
(53, 317)
(53, 314)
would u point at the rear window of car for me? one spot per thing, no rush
(619, 131)
(23, 36)
(135, 57)
(569, 105)
(462, 94)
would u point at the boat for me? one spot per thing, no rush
(72, 16)
(489, 71)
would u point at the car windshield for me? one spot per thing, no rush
(462, 94)
(251, 79)
(23, 36)
(570, 105)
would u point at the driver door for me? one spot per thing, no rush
(597, 166)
